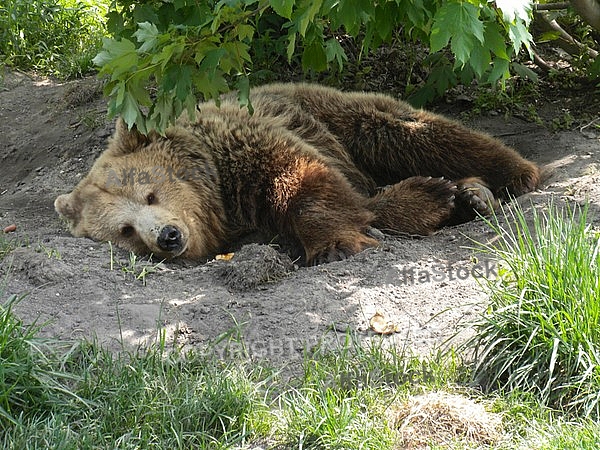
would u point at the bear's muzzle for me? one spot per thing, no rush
(170, 239)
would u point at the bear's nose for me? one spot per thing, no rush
(169, 239)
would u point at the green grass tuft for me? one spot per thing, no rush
(7, 245)
(328, 418)
(152, 399)
(351, 362)
(30, 383)
(540, 333)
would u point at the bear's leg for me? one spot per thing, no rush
(422, 205)
(391, 141)
(327, 216)
(458, 153)
(416, 206)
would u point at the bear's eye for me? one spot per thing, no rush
(127, 231)
(150, 199)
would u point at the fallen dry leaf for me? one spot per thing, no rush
(224, 257)
(381, 325)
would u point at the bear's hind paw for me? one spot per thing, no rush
(416, 206)
(527, 181)
(473, 198)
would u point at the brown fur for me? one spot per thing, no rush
(308, 165)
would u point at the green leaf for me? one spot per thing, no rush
(442, 77)
(548, 36)
(120, 97)
(211, 61)
(520, 36)
(416, 12)
(348, 15)
(282, 7)
(314, 57)
(178, 78)
(422, 96)
(494, 40)
(514, 11)
(147, 34)
(206, 45)
(440, 34)
(168, 53)
(129, 110)
(137, 85)
(480, 60)
(184, 82)
(113, 49)
(162, 113)
(384, 20)
(114, 23)
(291, 47)
(463, 46)
(189, 104)
(245, 31)
(178, 4)
(243, 86)
(499, 70)
(103, 57)
(466, 74)
(211, 87)
(145, 13)
(237, 54)
(457, 22)
(117, 58)
(335, 52)
(307, 13)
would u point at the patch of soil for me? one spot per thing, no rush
(51, 134)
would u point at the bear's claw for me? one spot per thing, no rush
(473, 198)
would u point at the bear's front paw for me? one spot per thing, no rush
(339, 250)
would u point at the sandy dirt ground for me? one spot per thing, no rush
(50, 133)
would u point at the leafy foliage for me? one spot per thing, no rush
(55, 37)
(185, 50)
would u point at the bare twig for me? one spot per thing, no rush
(542, 64)
(593, 122)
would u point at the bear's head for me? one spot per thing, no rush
(149, 194)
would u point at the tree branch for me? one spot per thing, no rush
(589, 10)
(551, 6)
(565, 40)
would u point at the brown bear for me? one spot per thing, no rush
(322, 168)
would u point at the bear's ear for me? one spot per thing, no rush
(127, 140)
(67, 206)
